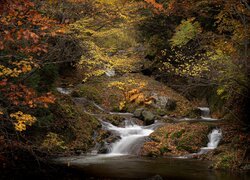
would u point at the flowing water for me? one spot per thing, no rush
(133, 167)
(205, 114)
(123, 162)
(214, 139)
(132, 137)
(64, 90)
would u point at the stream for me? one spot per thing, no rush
(134, 167)
(122, 161)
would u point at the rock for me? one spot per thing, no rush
(148, 117)
(121, 51)
(104, 149)
(164, 102)
(195, 113)
(170, 105)
(113, 139)
(176, 139)
(114, 119)
(161, 112)
(137, 122)
(110, 72)
(138, 112)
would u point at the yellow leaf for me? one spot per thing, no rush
(19, 23)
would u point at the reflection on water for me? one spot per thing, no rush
(131, 167)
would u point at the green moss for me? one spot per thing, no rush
(177, 134)
(224, 161)
(166, 135)
(160, 112)
(69, 110)
(184, 147)
(164, 149)
(90, 92)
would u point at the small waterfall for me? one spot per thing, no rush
(214, 139)
(63, 90)
(205, 114)
(132, 137)
(205, 111)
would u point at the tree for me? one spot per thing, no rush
(23, 36)
(219, 56)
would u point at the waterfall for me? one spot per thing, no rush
(214, 139)
(63, 90)
(205, 114)
(205, 111)
(132, 137)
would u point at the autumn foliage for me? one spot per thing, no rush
(204, 43)
(23, 35)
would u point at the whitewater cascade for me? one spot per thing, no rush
(205, 113)
(214, 139)
(66, 91)
(132, 137)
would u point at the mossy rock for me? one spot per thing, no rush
(179, 139)
(194, 113)
(148, 117)
(114, 119)
(90, 92)
(74, 126)
(224, 161)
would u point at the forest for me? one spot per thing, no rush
(125, 89)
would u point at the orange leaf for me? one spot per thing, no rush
(19, 23)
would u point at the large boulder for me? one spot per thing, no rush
(138, 112)
(148, 117)
(177, 139)
(163, 102)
